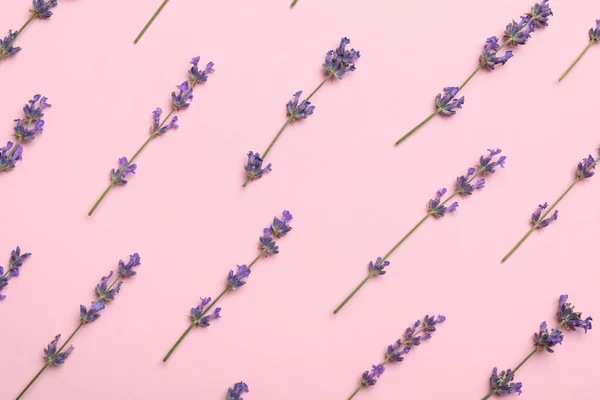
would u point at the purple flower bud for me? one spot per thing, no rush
(301, 111)
(236, 280)
(41, 8)
(6, 45)
(535, 217)
(93, 313)
(237, 391)
(182, 100)
(340, 60)
(15, 262)
(267, 245)
(377, 267)
(253, 167)
(540, 13)
(437, 210)
(571, 319)
(197, 75)
(104, 294)
(197, 311)
(118, 176)
(594, 33)
(126, 270)
(447, 104)
(486, 163)
(8, 158)
(397, 351)
(502, 384)
(35, 112)
(280, 227)
(517, 33)
(205, 321)
(585, 167)
(50, 353)
(545, 340)
(369, 378)
(489, 56)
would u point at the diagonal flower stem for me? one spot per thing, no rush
(577, 60)
(204, 312)
(137, 39)
(543, 216)
(514, 371)
(294, 3)
(389, 253)
(120, 172)
(479, 67)
(287, 122)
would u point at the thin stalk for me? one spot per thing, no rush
(537, 224)
(355, 392)
(289, 120)
(294, 3)
(389, 253)
(120, 172)
(577, 60)
(416, 128)
(212, 303)
(47, 364)
(137, 39)
(23, 27)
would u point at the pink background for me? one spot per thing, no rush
(353, 195)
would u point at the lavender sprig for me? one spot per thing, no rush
(25, 130)
(179, 101)
(236, 392)
(516, 33)
(105, 293)
(41, 9)
(540, 218)
(436, 208)
(543, 340)
(594, 38)
(337, 63)
(235, 280)
(150, 21)
(412, 337)
(15, 262)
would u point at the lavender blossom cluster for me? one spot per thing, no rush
(14, 264)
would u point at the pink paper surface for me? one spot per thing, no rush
(352, 193)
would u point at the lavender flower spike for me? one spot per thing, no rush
(594, 34)
(516, 33)
(40, 9)
(544, 215)
(438, 207)
(57, 356)
(160, 126)
(235, 280)
(25, 130)
(15, 262)
(236, 392)
(338, 62)
(543, 340)
(395, 353)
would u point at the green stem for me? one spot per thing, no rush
(23, 27)
(40, 372)
(471, 76)
(537, 224)
(294, 3)
(101, 198)
(137, 39)
(351, 295)
(389, 253)
(355, 392)
(289, 120)
(189, 329)
(416, 128)
(577, 60)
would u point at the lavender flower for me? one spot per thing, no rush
(585, 167)
(337, 63)
(235, 280)
(594, 34)
(23, 131)
(179, 101)
(396, 352)
(569, 318)
(340, 60)
(502, 384)
(15, 262)
(545, 340)
(105, 293)
(542, 217)
(377, 267)
(438, 208)
(516, 33)
(237, 391)
(6, 45)
(197, 75)
(52, 356)
(126, 270)
(301, 111)
(41, 8)
(253, 168)
(447, 104)
(125, 168)
(535, 217)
